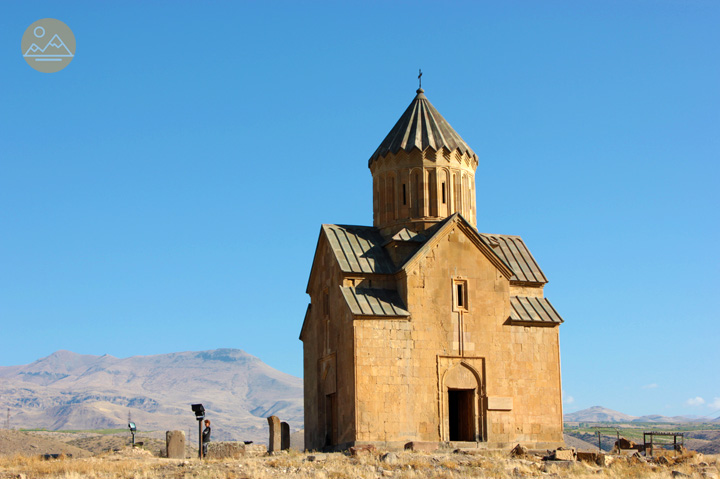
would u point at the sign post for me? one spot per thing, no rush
(199, 411)
(133, 428)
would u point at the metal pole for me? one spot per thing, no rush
(200, 448)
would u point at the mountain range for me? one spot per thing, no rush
(601, 414)
(72, 391)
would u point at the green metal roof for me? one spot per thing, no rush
(421, 127)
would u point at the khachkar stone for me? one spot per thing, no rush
(175, 444)
(275, 442)
(284, 436)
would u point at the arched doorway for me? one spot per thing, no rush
(462, 409)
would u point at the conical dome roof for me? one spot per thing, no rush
(421, 126)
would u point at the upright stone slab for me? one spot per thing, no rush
(284, 436)
(275, 434)
(175, 444)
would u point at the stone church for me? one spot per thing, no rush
(420, 328)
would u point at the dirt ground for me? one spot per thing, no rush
(578, 444)
(81, 444)
(137, 463)
(30, 443)
(109, 457)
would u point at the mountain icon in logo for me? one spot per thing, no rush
(48, 56)
(54, 48)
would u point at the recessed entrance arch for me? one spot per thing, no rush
(463, 414)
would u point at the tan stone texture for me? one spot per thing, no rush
(275, 442)
(175, 444)
(222, 450)
(453, 370)
(327, 339)
(391, 376)
(564, 455)
(417, 189)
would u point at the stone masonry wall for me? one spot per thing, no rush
(328, 357)
(401, 364)
(410, 188)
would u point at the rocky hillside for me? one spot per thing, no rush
(602, 414)
(597, 414)
(72, 391)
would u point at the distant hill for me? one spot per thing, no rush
(707, 442)
(71, 391)
(601, 414)
(672, 419)
(598, 414)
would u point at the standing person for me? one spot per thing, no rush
(206, 437)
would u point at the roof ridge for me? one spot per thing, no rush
(503, 235)
(349, 226)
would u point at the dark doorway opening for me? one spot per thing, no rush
(330, 420)
(461, 415)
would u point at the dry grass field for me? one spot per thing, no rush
(107, 456)
(137, 463)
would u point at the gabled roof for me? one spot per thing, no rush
(374, 302)
(302, 328)
(421, 126)
(528, 309)
(358, 249)
(512, 250)
(444, 227)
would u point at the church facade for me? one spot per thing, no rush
(420, 328)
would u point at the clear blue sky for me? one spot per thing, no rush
(165, 191)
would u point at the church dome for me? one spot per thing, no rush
(423, 172)
(421, 127)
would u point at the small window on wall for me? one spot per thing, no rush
(404, 195)
(460, 295)
(327, 336)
